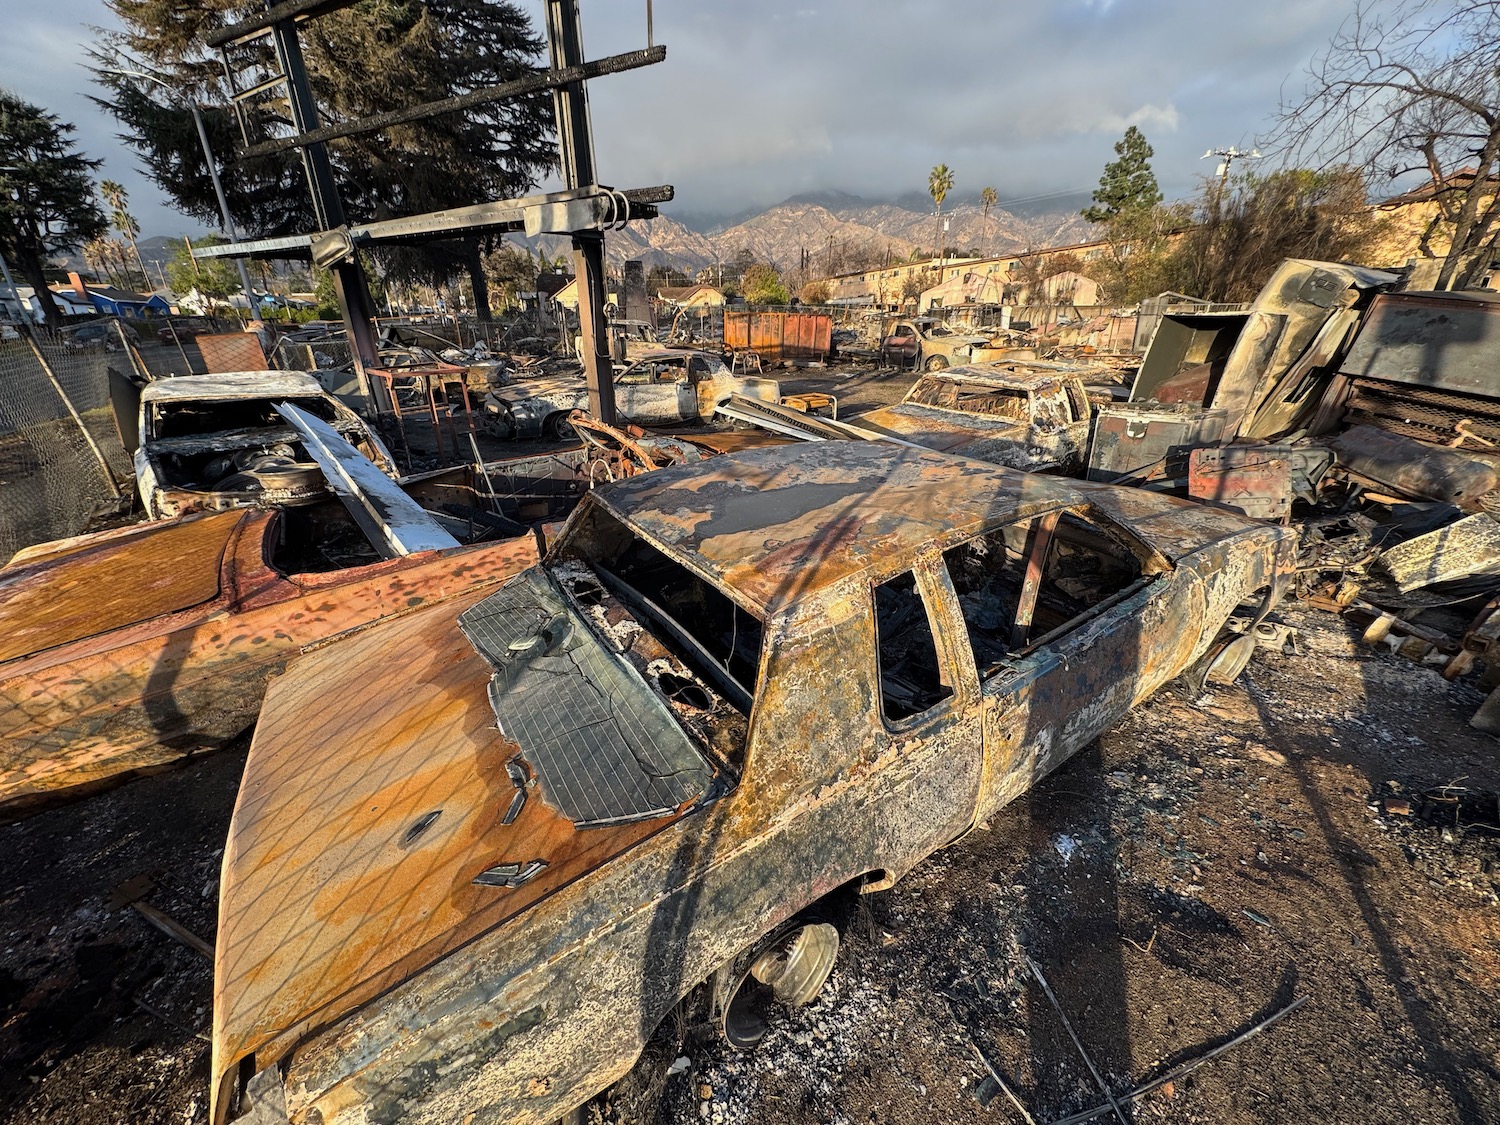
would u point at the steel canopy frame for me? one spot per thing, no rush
(583, 211)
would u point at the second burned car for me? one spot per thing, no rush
(473, 880)
(662, 387)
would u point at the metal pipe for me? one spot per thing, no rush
(109, 476)
(213, 174)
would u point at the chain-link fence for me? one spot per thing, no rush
(62, 467)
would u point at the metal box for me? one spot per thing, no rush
(1141, 441)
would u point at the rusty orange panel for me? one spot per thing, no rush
(52, 599)
(157, 682)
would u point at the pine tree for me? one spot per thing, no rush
(47, 201)
(361, 61)
(1128, 184)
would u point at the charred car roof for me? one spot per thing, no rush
(773, 525)
(233, 384)
(1029, 376)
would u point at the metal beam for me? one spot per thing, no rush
(541, 80)
(288, 10)
(505, 214)
(575, 144)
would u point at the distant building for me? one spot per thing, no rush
(1416, 232)
(109, 301)
(567, 296)
(691, 296)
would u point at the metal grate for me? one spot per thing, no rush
(604, 746)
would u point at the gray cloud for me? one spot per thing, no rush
(760, 101)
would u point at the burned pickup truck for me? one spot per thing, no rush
(207, 443)
(1033, 416)
(469, 882)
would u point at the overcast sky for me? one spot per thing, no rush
(760, 101)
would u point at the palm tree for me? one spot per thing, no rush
(123, 221)
(939, 184)
(987, 199)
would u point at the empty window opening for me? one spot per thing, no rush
(911, 676)
(1085, 566)
(950, 394)
(987, 574)
(692, 619)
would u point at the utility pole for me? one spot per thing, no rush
(575, 143)
(1228, 156)
(213, 174)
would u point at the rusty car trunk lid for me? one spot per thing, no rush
(53, 598)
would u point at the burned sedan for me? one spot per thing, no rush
(662, 387)
(1033, 416)
(213, 442)
(468, 883)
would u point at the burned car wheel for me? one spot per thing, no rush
(558, 428)
(789, 969)
(935, 363)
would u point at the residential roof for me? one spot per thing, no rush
(776, 525)
(683, 292)
(233, 384)
(108, 292)
(1458, 181)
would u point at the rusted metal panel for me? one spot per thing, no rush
(231, 351)
(1448, 341)
(139, 690)
(1414, 468)
(780, 337)
(1140, 441)
(352, 935)
(1254, 481)
(1466, 547)
(55, 598)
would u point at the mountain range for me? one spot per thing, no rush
(836, 230)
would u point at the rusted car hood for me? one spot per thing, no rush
(330, 893)
(996, 440)
(82, 588)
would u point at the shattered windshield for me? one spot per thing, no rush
(605, 748)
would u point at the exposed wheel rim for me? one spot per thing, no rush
(791, 971)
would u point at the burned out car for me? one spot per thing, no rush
(468, 884)
(928, 344)
(204, 443)
(662, 387)
(1033, 416)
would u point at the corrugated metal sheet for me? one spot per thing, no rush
(780, 337)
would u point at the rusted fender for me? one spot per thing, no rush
(135, 651)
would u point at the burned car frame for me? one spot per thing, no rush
(214, 442)
(731, 690)
(662, 387)
(1032, 416)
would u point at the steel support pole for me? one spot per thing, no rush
(575, 144)
(349, 283)
(251, 305)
